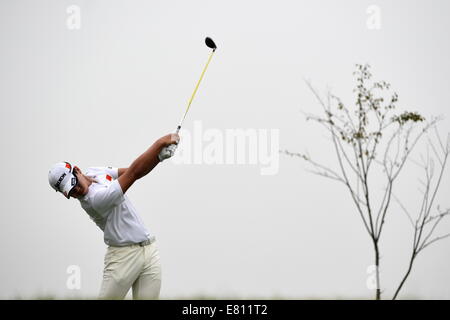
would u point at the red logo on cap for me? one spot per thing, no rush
(68, 165)
(108, 177)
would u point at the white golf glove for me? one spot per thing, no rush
(167, 152)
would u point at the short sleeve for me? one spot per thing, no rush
(113, 172)
(107, 198)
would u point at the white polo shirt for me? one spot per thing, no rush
(111, 209)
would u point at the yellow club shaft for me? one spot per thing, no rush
(195, 90)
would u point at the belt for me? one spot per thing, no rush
(141, 244)
(146, 242)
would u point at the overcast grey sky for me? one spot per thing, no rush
(101, 94)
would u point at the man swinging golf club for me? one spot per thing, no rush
(132, 258)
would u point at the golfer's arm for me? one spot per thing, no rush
(141, 166)
(121, 171)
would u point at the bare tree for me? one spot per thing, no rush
(373, 137)
(425, 223)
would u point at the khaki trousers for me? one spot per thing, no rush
(134, 267)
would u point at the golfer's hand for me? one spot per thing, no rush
(169, 139)
(170, 143)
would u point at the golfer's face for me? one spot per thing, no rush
(81, 185)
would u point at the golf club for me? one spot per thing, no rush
(170, 150)
(210, 44)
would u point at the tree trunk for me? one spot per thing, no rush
(405, 277)
(377, 270)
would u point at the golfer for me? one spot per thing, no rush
(132, 258)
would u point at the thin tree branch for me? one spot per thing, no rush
(404, 210)
(435, 240)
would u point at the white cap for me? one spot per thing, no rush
(61, 178)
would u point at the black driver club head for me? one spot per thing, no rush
(210, 43)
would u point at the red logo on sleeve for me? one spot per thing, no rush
(108, 177)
